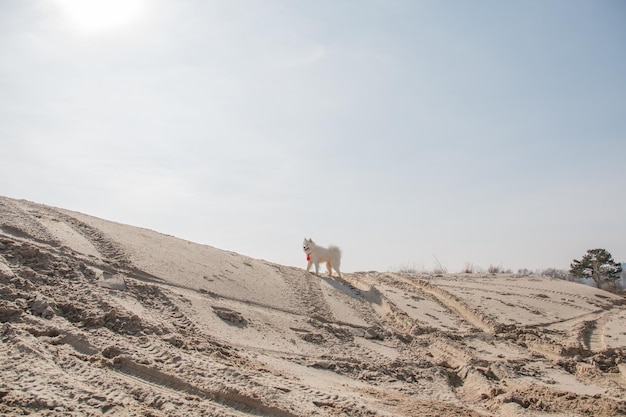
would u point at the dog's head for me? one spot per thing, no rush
(307, 244)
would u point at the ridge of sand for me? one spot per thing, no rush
(98, 317)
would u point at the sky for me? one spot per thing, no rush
(412, 134)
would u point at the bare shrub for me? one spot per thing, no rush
(408, 269)
(556, 273)
(439, 269)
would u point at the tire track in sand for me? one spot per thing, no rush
(593, 336)
(110, 249)
(17, 220)
(455, 304)
(228, 398)
(308, 290)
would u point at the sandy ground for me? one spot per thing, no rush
(100, 318)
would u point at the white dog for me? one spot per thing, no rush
(316, 254)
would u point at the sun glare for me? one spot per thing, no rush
(97, 16)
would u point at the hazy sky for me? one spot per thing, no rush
(407, 132)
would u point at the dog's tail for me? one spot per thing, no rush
(336, 255)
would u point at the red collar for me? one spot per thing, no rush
(308, 257)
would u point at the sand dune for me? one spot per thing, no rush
(100, 318)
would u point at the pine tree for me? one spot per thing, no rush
(597, 264)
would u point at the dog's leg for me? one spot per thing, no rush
(308, 267)
(329, 268)
(338, 273)
(317, 268)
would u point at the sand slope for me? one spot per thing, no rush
(100, 318)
